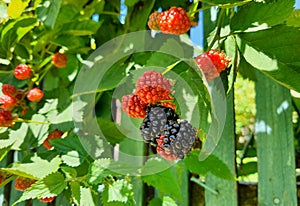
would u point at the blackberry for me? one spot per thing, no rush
(177, 140)
(153, 125)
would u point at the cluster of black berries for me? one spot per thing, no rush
(173, 138)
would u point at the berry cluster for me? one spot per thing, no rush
(212, 63)
(13, 98)
(151, 89)
(171, 137)
(172, 21)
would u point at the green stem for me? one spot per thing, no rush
(219, 27)
(49, 66)
(201, 9)
(109, 13)
(6, 72)
(87, 92)
(170, 67)
(7, 180)
(199, 182)
(30, 121)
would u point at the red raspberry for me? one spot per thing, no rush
(174, 21)
(59, 60)
(8, 89)
(152, 87)
(7, 102)
(35, 95)
(134, 106)
(47, 199)
(22, 72)
(22, 183)
(153, 21)
(6, 118)
(212, 63)
(53, 135)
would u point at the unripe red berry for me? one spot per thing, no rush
(47, 199)
(22, 183)
(153, 21)
(212, 63)
(35, 95)
(152, 87)
(59, 60)
(174, 21)
(133, 106)
(53, 135)
(6, 118)
(22, 72)
(7, 102)
(8, 89)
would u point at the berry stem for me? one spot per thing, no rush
(30, 121)
(6, 72)
(48, 67)
(109, 13)
(219, 27)
(199, 182)
(201, 9)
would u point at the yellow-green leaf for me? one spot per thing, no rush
(16, 7)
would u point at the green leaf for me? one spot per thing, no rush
(52, 185)
(81, 28)
(16, 8)
(229, 3)
(36, 169)
(4, 149)
(119, 191)
(131, 2)
(168, 201)
(294, 19)
(139, 15)
(21, 51)
(18, 136)
(72, 159)
(110, 131)
(247, 169)
(75, 189)
(101, 168)
(47, 12)
(86, 196)
(257, 16)
(207, 165)
(40, 131)
(246, 70)
(14, 31)
(73, 152)
(69, 172)
(274, 52)
(157, 173)
(155, 202)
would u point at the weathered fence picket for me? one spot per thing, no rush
(275, 144)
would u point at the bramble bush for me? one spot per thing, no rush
(66, 66)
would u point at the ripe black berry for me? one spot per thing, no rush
(177, 140)
(153, 125)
